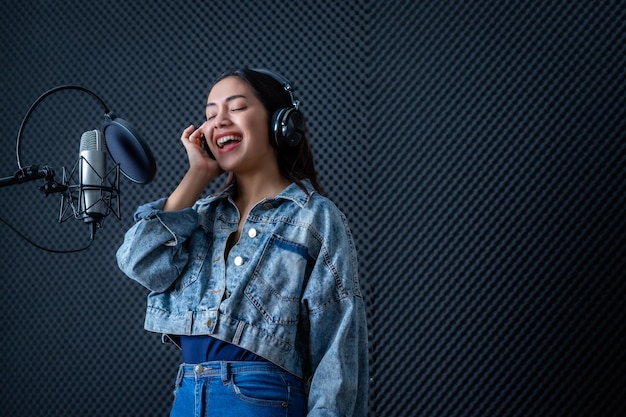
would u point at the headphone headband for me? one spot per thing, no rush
(283, 81)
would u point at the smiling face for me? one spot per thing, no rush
(237, 127)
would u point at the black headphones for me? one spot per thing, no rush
(287, 124)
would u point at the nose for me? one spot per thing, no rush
(221, 119)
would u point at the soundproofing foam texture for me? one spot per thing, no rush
(477, 148)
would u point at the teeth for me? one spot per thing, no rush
(225, 139)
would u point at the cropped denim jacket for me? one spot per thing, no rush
(288, 290)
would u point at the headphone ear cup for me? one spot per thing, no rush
(287, 127)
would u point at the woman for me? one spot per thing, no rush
(258, 284)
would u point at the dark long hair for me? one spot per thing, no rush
(295, 163)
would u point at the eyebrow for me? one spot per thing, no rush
(229, 98)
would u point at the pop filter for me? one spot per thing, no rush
(127, 149)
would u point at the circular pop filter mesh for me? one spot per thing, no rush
(128, 150)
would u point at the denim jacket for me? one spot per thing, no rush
(288, 290)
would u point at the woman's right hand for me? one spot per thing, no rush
(202, 170)
(200, 161)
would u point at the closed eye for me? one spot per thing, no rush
(212, 116)
(237, 101)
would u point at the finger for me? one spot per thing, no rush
(195, 136)
(186, 135)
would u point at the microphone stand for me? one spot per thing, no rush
(32, 173)
(71, 193)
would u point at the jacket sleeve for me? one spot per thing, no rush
(338, 331)
(153, 251)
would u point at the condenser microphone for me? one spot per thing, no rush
(92, 173)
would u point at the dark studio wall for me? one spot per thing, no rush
(477, 148)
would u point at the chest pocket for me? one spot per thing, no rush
(276, 285)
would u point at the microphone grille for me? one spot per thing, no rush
(91, 141)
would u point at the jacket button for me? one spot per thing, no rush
(209, 323)
(238, 261)
(252, 233)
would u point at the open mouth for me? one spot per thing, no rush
(224, 140)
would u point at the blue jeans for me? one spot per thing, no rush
(259, 389)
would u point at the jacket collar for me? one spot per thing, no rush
(292, 192)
